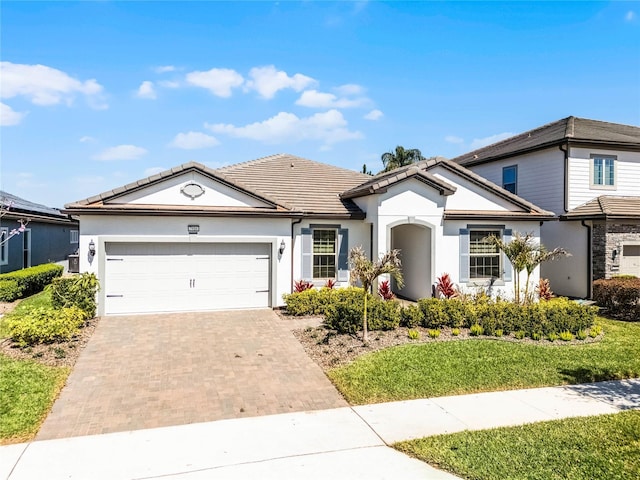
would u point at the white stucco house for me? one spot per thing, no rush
(193, 238)
(587, 172)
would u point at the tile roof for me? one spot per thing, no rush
(570, 129)
(304, 185)
(286, 182)
(606, 207)
(420, 171)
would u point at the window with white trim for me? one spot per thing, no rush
(603, 171)
(510, 178)
(4, 245)
(324, 253)
(485, 259)
(74, 236)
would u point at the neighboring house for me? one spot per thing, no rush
(588, 173)
(50, 236)
(193, 238)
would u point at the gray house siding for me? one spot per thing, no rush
(48, 243)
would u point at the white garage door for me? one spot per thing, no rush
(173, 277)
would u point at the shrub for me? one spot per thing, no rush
(552, 337)
(581, 335)
(330, 283)
(455, 332)
(476, 330)
(301, 286)
(44, 325)
(345, 315)
(536, 335)
(411, 316)
(445, 287)
(384, 290)
(519, 334)
(544, 289)
(433, 333)
(433, 312)
(413, 334)
(620, 296)
(33, 279)
(499, 332)
(595, 331)
(566, 336)
(9, 290)
(78, 290)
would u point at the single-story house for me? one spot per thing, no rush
(194, 238)
(49, 235)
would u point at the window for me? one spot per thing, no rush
(324, 254)
(484, 258)
(510, 178)
(4, 247)
(603, 171)
(74, 236)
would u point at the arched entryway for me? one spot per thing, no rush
(415, 245)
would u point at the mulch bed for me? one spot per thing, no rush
(330, 349)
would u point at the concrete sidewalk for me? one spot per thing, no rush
(348, 442)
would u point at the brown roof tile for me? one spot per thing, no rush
(606, 207)
(570, 129)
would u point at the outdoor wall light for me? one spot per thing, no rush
(282, 246)
(92, 248)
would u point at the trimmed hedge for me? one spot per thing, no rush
(32, 280)
(9, 290)
(75, 291)
(316, 302)
(620, 296)
(44, 325)
(541, 318)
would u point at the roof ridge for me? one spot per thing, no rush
(253, 162)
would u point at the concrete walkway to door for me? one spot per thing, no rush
(148, 371)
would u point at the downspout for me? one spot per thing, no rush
(293, 224)
(589, 259)
(565, 148)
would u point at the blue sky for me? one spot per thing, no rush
(98, 94)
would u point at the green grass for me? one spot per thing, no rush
(27, 392)
(604, 447)
(477, 365)
(27, 389)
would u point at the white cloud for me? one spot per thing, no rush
(121, 152)
(350, 89)
(315, 99)
(483, 142)
(267, 81)
(146, 90)
(453, 139)
(45, 86)
(329, 127)
(630, 16)
(153, 171)
(164, 69)
(194, 141)
(169, 84)
(86, 139)
(374, 115)
(8, 116)
(219, 81)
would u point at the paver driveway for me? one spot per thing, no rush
(148, 371)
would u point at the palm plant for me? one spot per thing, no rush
(400, 158)
(366, 272)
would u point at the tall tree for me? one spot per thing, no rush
(366, 272)
(400, 157)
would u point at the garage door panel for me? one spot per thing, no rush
(170, 277)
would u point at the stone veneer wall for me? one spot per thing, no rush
(607, 237)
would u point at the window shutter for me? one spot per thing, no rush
(464, 255)
(506, 264)
(306, 254)
(343, 255)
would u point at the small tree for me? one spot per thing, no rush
(365, 271)
(5, 206)
(524, 254)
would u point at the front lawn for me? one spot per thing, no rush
(478, 365)
(27, 392)
(603, 447)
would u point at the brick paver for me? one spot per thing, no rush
(148, 371)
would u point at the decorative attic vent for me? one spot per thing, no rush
(192, 190)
